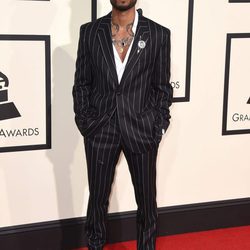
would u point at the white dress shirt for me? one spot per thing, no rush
(120, 66)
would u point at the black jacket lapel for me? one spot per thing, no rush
(104, 35)
(142, 33)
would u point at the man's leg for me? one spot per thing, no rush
(142, 168)
(102, 153)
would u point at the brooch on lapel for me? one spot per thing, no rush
(141, 45)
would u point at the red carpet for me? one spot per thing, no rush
(237, 238)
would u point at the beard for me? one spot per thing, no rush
(121, 6)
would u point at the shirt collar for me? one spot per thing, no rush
(135, 22)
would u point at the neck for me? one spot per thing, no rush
(122, 18)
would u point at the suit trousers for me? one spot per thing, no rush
(102, 154)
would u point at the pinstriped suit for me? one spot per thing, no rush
(128, 116)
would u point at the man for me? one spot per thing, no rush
(122, 96)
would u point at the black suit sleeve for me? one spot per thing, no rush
(83, 77)
(163, 88)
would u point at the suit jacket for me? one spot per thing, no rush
(144, 95)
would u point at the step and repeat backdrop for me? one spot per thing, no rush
(204, 156)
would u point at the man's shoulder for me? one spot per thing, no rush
(157, 27)
(88, 25)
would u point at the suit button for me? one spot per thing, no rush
(118, 92)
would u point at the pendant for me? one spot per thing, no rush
(120, 50)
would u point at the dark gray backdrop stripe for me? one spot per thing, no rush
(94, 10)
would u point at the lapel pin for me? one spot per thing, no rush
(141, 45)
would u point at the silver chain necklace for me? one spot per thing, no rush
(124, 42)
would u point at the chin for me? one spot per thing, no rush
(123, 5)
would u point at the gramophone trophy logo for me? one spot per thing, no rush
(25, 116)
(8, 109)
(236, 108)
